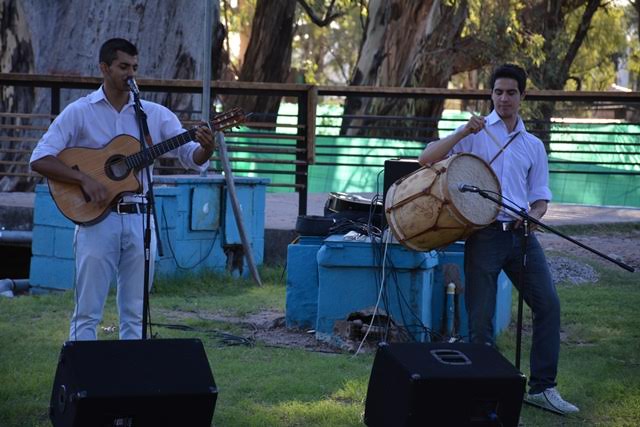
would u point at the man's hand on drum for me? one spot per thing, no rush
(474, 125)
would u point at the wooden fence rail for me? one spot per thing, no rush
(289, 149)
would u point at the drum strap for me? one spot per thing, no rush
(504, 147)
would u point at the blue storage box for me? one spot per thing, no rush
(196, 223)
(52, 257)
(452, 257)
(349, 277)
(302, 282)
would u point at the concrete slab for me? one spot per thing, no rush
(16, 211)
(282, 212)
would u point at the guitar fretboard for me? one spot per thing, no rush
(146, 157)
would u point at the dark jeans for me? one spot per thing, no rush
(486, 253)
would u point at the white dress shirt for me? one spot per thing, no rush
(92, 122)
(522, 168)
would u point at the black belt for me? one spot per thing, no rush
(129, 208)
(503, 225)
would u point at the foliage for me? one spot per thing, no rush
(321, 54)
(237, 16)
(327, 55)
(595, 65)
(498, 25)
(632, 22)
(510, 29)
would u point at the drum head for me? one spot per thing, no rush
(472, 170)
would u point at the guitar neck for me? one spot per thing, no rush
(146, 157)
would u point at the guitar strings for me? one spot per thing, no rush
(220, 121)
(100, 171)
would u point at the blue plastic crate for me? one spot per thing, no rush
(349, 274)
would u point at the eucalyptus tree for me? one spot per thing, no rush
(64, 36)
(270, 44)
(424, 44)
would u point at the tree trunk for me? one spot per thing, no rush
(407, 44)
(168, 35)
(268, 56)
(16, 54)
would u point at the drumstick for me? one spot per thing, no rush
(493, 137)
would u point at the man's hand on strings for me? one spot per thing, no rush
(94, 190)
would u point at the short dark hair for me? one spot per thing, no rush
(109, 50)
(510, 71)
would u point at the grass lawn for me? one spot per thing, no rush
(263, 385)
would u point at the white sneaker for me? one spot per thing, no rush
(550, 399)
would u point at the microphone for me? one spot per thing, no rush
(133, 86)
(463, 188)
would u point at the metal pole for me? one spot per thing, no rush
(222, 147)
(206, 65)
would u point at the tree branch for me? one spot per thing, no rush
(581, 33)
(328, 17)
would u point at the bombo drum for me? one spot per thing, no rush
(425, 210)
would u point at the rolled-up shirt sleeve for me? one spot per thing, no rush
(538, 179)
(56, 138)
(172, 127)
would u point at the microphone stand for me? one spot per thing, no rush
(145, 136)
(526, 218)
(523, 266)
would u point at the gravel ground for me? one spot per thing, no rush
(567, 260)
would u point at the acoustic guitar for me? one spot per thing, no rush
(115, 166)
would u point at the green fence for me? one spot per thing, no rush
(590, 163)
(596, 164)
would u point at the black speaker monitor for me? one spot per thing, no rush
(394, 169)
(443, 384)
(133, 383)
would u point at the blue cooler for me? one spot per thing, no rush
(302, 283)
(349, 274)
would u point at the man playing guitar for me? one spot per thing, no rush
(113, 246)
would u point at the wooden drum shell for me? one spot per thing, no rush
(425, 210)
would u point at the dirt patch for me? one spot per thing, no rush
(267, 327)
(566, 261)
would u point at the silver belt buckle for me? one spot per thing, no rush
(505, 226)
(118, 210)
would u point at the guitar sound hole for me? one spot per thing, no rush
(116, 168)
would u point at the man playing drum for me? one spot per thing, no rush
(520, 163)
